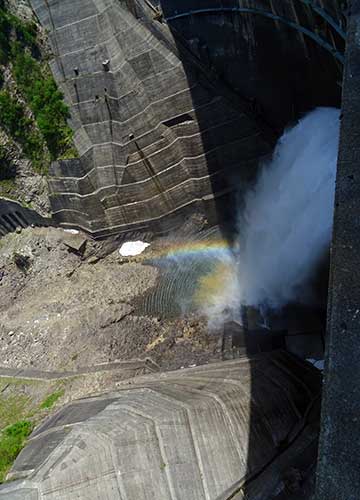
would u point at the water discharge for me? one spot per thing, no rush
(284, 229)
(286, 224)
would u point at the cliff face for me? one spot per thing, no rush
(19, 179)
(33, 128)
(170, 117)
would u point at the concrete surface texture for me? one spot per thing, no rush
(339, 457)
(180, 435)
(139, 366)
(14, 216)
(167, 120)
(279, 56)
(134, 110)
(24, 391)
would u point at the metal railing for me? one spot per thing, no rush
(247, 10)
(325, 15)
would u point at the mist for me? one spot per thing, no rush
(286, 224)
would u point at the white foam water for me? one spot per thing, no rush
(286, 224)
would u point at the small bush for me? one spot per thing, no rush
(12, 440)
(21, 128)
(26, 34)
(11, 27)
(45, 100)
(13, 117)
(18, 44)
(7, 187)
(51, 400)
(5, 31)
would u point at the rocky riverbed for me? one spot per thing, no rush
(65, 303)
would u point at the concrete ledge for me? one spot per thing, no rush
(182, 434)
(13, 215)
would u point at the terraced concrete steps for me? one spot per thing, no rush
(146, 103)
(13, 216)
(190, 434)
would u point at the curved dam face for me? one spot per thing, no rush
(173, 110)
(183, 436)
(177, 106)
(283, 57)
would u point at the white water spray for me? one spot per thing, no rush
(287, 221)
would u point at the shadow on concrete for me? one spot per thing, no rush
(14, 217)
(260, 76)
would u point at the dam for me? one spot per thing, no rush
(145, 93)
(211, 131)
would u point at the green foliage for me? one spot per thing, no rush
(5, 31)
(12, 440)
(21, 128)
(13, 116)
(45, 100)
(6, 188)
(26, 34)
(13, 407)
(12, 28)
(18, 45)
(20, 411)
(51, 399)
(7, 170)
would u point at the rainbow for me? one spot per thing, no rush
(197, 248)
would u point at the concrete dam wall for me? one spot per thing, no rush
(170, 117)
(184, 436)
(14, 216)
